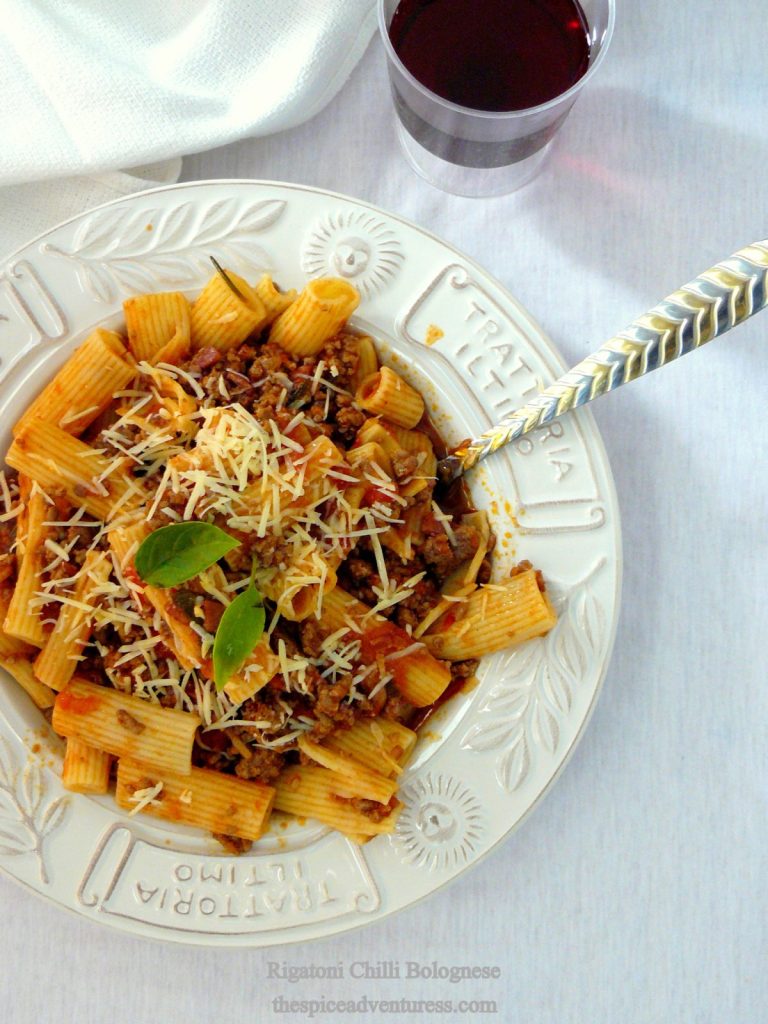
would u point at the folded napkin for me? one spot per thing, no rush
(28, 210)
(93, 85)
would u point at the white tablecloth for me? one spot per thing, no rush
(637, 891)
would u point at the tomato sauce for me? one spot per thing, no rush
(75, 705)
(382, 639)
(421, 715)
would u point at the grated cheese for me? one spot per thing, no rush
(386, 678)
(445, 521)
(405, 652)
(145, 797)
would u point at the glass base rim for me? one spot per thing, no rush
(469, 182)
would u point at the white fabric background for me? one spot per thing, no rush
(636, 893)
(89, 85)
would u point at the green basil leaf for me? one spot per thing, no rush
(240, 629)
(174, 554)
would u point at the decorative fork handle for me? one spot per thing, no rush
(711, 304)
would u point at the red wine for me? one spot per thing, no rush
(492, 54)
(489, 55)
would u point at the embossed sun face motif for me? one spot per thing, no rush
(440, 825)
(354, 245)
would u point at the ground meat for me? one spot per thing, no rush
(121, 676)
(82, 537)
(328, 701)
(484, 572)
(340, 354)
(6, 538)
(173, 500)
(370, 808)
(359, 577)
(464, 669)
(269, 359)
(61, 571)
(311, 638)
(233, 844)
(213, 754)
(404, 464)
(444, 556)
(323, 727)
(269, 382)
(330, 711)
(263, 765)
(90, 669)
(412, 610)
(237, 385)
(358, 568)
(256, 710)
(204, 359)
(397, 707)
(241, 370)
(127, 720)
(75, 539)
(348, 419)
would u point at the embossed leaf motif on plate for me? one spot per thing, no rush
(127, 250)
(523, 715)
(26, 817)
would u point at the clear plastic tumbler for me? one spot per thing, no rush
(483, 152)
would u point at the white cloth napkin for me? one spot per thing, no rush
(28, 210)
(93, 85)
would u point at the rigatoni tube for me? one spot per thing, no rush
(321, 309)
(153, 321)
(492, 618)
(221, 317)
(385, 393)
(126, 726)
(207, 799)
(84, 386)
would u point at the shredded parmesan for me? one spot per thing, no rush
(405, 651)
(181, 454)
(445, 521)
(386, 678)
(145, 797)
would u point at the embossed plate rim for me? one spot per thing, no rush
(547, 354)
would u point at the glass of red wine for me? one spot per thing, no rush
(481, 86)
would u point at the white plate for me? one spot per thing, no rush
(488, 756)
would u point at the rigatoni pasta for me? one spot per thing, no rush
(22, 617)
(84, 386)
(86, 769)
(56, 663)
(316, 315)
(125, 725)
(274, 301)
(226, 312)
(158, 326)
(232, 575)
(492, 618)
(385, 393)
(314, 792)
(57, 461)
(18, 664)
(217, 803)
